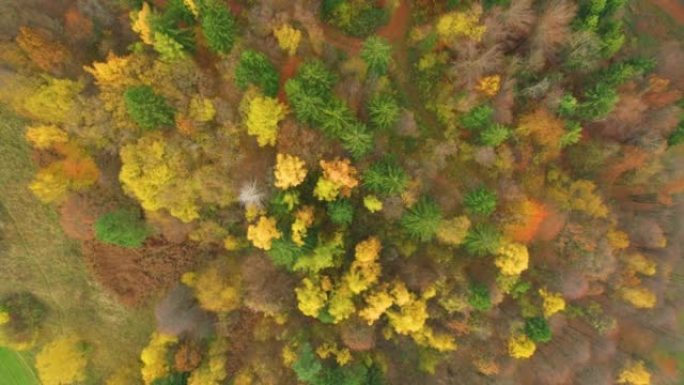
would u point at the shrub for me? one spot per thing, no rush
(26, 315)
(422, 220)
(478, 297)
(255, 68)
(122, 227)
(480, 201)
(482, 239)
(537, 329)
(377, 53)
(341, 212)
(148, 109)
(385, 178)
(218, 27)
(383, 111)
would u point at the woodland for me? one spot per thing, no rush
(341, 192)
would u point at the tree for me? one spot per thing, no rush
(482, 239)
(454, 25)
(44, 137)
(307, 366)
(62, 361)
(154, 171)
(255, 68)
(341, 173)
(53, 101)
(477, 118)
(478, 297)
(453, 231)
(123, 227)
(213, 370)
(553, 302)
(43, 50)
(263, 117)
(290, 171)
(521, 346)
(288, 38)
(512, 258)
(217, 287)
(385, 178)
(263, 233)
(148, 109)
(422, 220)
(537, 329)
(341, 212)
(356, 139)
(384, 111)
(310, 298)
(634, 373)
(494, 134)
(23, 315)
(218, 26)
(480, 201)
(377, 53)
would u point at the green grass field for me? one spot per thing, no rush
(14, 370)
(40, 259)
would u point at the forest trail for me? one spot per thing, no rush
(674, 8)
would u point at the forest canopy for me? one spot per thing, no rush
(342, 192)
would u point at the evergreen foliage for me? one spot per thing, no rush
(482, 239)
(422, 220)
(478, 297)
(123, 227)
(537, 328)
(341, 212)
(218, 27)
(385, 178)
(255, 68)
(148, 109)
(480, 201)
(384, 111)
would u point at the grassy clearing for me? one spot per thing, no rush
(14, 370)
(37, 257)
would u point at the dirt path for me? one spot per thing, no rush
(674, 8)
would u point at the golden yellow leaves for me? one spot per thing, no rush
(310, 298)
(553, 302)
(290, 171)
(288, 38)
(489, 85)
(62, 361)
(214, 288)
(263, 116)
(153, 357)
(512, 258)
(367, 251)
(634, 373)
(454, 25)
(521, 346)
(304, 218)
(44, 137)
(639, 297)
(263, 233)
